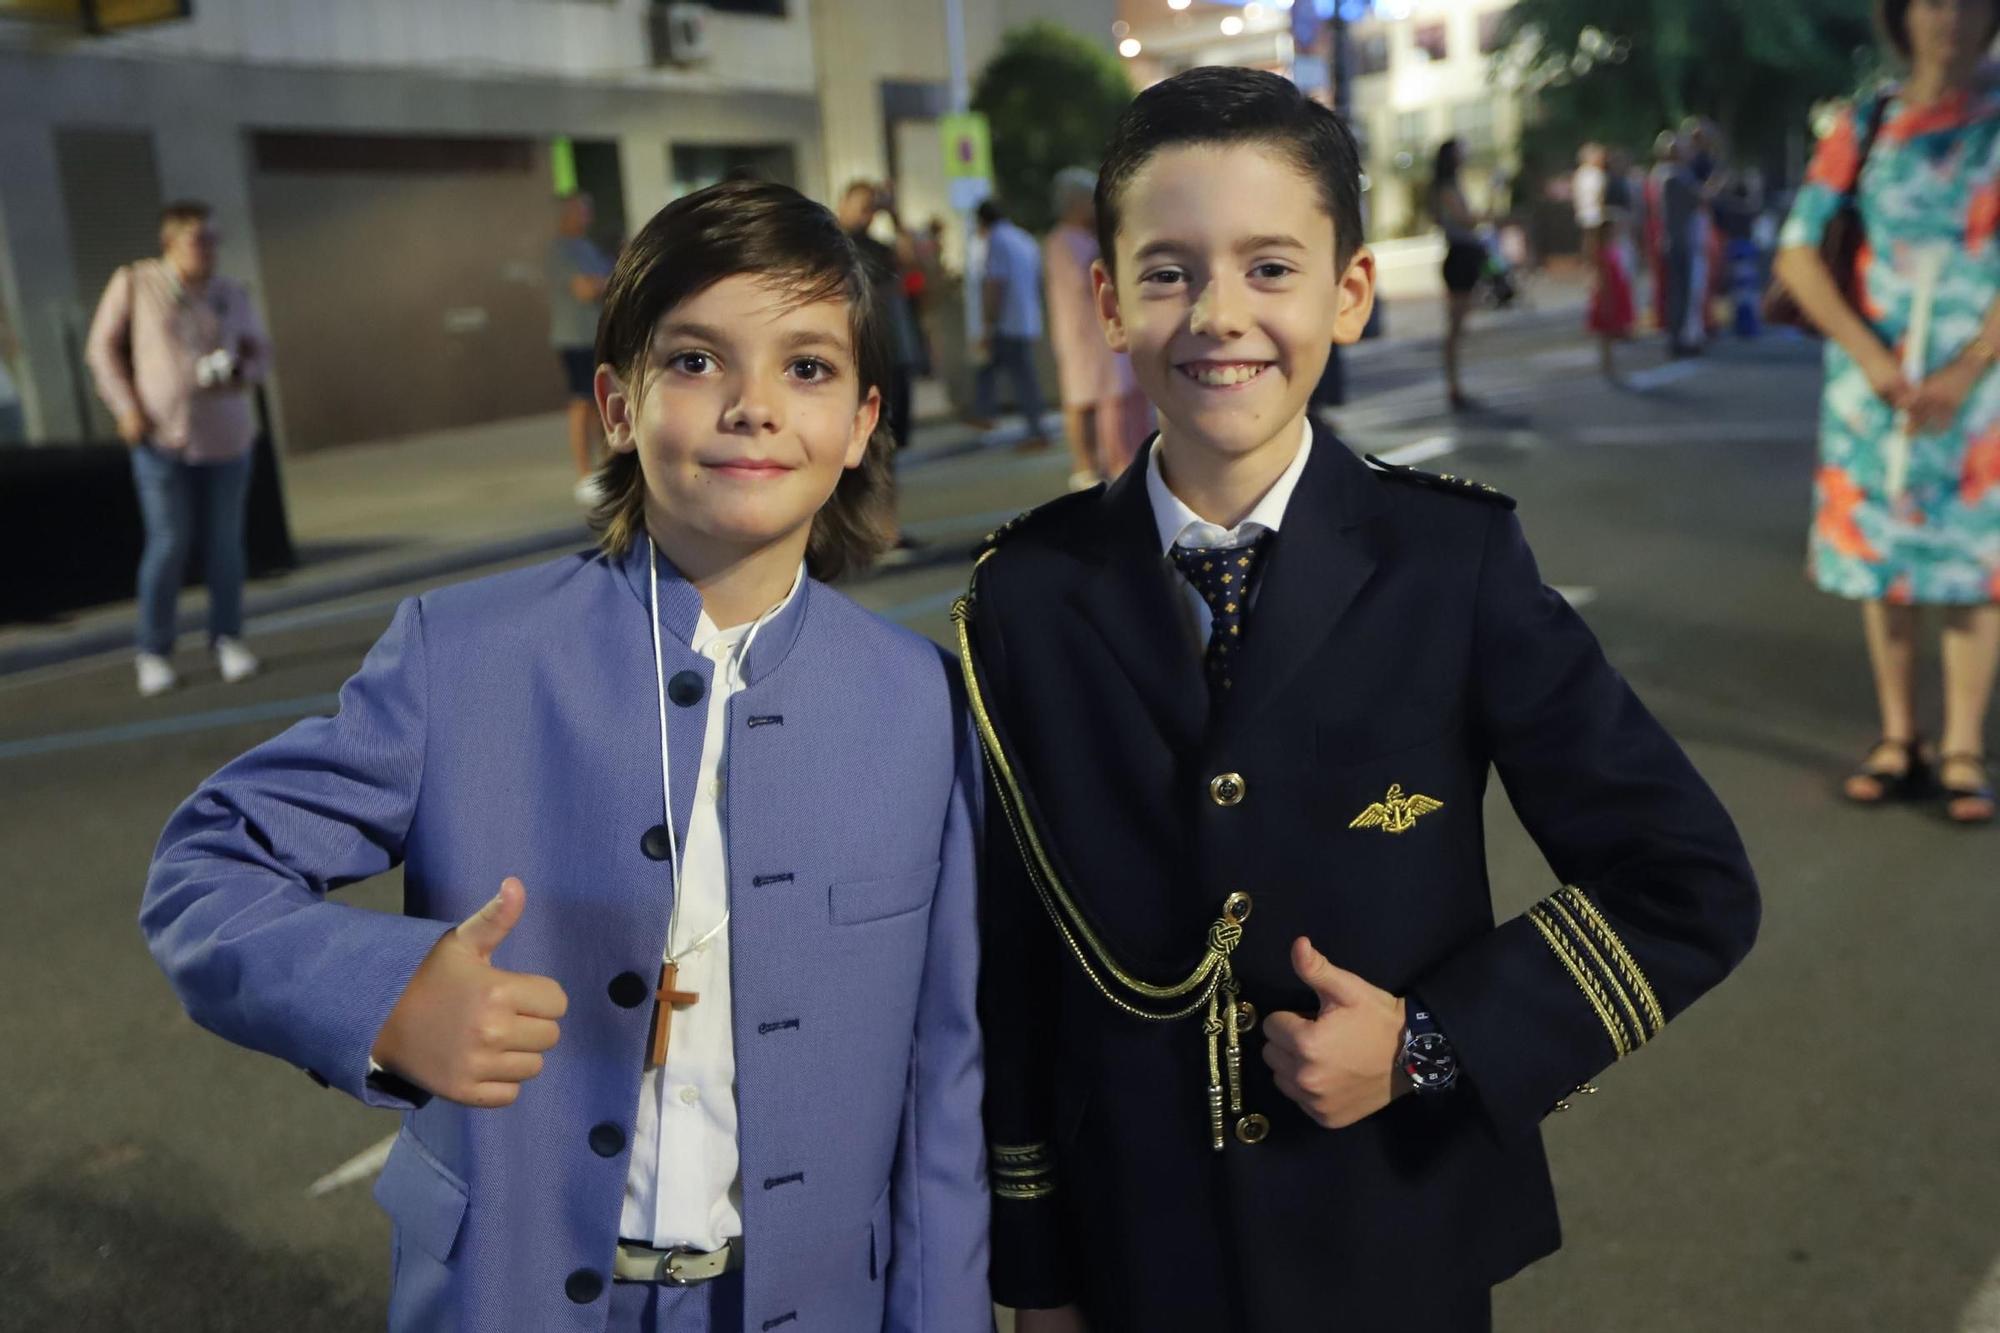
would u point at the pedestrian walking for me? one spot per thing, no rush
(1684, 241)
(1602, 212)
(861, 203)
(685, 1017)
(1105, 417)
(1907, 493)
(1587, 186)
(577, 273)
(1010, 296)
(1464, 265)
(1666, 161)
(1272, 845)
(175, 349)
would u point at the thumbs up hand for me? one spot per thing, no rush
(1340, 1067)
(466, 1030)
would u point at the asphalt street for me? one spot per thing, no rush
(1814, 1146)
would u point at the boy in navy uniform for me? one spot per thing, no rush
(1259, 1058)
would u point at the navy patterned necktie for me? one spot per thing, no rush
(1222, 575)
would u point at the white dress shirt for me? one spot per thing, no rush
(684, 1186)
(1180, 526)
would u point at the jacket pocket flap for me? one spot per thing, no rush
(857, 900)
(422, 1197)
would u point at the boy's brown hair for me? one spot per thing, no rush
(774, 233)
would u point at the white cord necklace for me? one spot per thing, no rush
(742, 655)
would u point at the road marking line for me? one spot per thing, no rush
(182, 725)
(1669, 373)
(313, 617)
(1697, 432)
(359, 1167)
(1418, 451)
(1566, 358)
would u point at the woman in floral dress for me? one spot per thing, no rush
(1907, 494)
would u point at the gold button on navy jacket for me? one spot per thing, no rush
(1402, 647)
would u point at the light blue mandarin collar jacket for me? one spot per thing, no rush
(509, 726)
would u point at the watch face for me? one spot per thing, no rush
(1428, 1060)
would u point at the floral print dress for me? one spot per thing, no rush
(1930, 189)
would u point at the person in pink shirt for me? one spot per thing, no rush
(1105, 416)
(174, 349)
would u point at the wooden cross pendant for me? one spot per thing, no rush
(663, 1012)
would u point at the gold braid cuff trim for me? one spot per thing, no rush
(1629, 1012)
(1586, 980)
(1019, 1154)
(1022, 1171)
(1022, 1193)
(1628, 969)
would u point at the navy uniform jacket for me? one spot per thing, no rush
(1401, 636)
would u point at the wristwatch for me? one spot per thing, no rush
(1427, 1056)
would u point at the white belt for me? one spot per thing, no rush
(678, 1267)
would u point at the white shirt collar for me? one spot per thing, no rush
(1179, 525)
(718, 643)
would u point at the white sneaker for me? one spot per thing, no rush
(156, 675)
(586, 491)
(237, 662)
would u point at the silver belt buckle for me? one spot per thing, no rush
(670, 1271)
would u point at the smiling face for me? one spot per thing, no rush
(1229, 295)
(750, 407)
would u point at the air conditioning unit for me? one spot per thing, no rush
(679, 32)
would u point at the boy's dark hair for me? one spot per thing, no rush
(990, 212)
(1220, 104)
(1893, 18)
(774, 233)
(184, 213)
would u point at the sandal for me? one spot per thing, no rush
(1954, 794)
(1891, 784)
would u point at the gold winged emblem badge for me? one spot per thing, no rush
(1396, 813)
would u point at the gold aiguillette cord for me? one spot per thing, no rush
(1211, 986)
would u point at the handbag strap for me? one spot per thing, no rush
(1877, 110)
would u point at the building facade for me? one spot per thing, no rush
(1423, 71)
(382, 171)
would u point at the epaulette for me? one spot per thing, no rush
(1041, 513)
(1441, 481)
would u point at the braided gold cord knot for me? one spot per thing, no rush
(1224, 936)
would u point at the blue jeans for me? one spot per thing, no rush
(173, 495)
(1016, 356)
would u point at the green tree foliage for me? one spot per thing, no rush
(1052, 97)
(1620, 71)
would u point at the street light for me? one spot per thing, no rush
(1129, 47)
(1231, 26)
